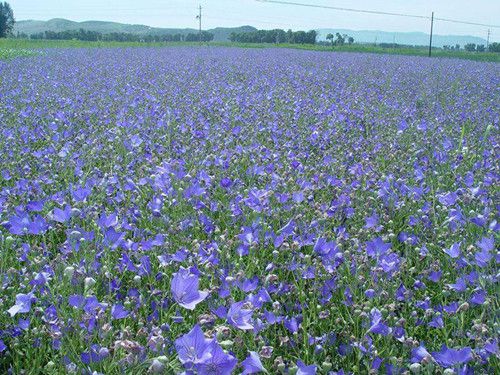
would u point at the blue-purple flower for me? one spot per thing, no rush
(185, 289)
(448, 357)
(304, 369)
(22, 305)
(377, 325)
(252, 364)
(240, 317)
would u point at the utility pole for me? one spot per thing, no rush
(488, 41)
(430, 40)
(199, 19)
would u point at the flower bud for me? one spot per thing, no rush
(326, 366)
(415, 368)
(69, 272)
(156, 367)
(88, 284)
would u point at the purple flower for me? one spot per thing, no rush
(478, 297)
(35, 206)
(372, 221)
(92, 304)
(22, 305)
(119, 312)
(418, 354)
(135, 141)
(18, 224)
(239, 317)
(216, 362)
(3, 348)
(324, 248)
(377, 325)
(291, 324)
(80, 194)
(491, 347)
(252, 364)
(452, 357)
(94, 355)
(24, 324)
(435, 276)
(304, 369)
(184, 287)
(448, 199)
(226, 182)
(192, 346)
(62, 216)
(484, 256)
(460, 285)
(108, 221)
(436, 322)
(76, 300)
(389, 262)
(22, 224)
(377, 247)
(451, 308)
(454, 250)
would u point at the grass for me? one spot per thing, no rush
(22, 47)
(8, 53)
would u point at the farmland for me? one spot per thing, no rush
(226, 210)
(20, 47)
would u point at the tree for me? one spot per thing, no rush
(494, 47)
(6, 19)
(311, 37)
(330, 38)
(350, 40)
(480, 48)
(340, 41)
(274, 36)
(470, 47)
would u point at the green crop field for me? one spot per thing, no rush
(22, 47)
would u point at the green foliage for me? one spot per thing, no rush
(470, 47)
(275, 36)
(93, 36)
(6, 19)
(494, 47)
(8, 53)
(195, 37)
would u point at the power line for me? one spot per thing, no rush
(280, 2)
(343, 9)
(465, 22)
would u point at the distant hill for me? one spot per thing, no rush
(408, 38)
(221, 34)
(59, 24)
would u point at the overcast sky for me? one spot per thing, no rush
(181, 13)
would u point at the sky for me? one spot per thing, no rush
(229, 13)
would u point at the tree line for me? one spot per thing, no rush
(339, 40)
(473, 47)
(92, 36)
(275, 36)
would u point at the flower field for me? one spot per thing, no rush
(223, 210)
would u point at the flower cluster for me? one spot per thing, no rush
(222, 210)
